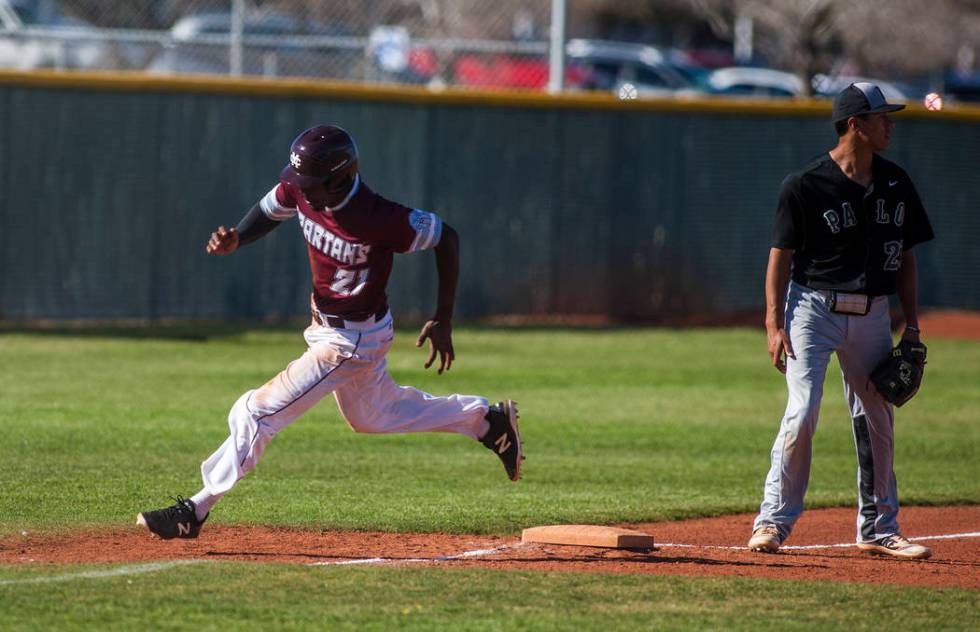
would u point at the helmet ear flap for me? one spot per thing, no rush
(342, 181)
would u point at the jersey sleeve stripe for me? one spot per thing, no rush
(428, 230)
(273, 209)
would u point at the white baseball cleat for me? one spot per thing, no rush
(896, 546)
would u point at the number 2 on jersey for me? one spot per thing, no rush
(893, 255)
(348, 282)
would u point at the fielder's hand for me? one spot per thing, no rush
(779, 345)
(223, 241)
(440, 335)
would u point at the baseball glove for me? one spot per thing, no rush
(899, 375)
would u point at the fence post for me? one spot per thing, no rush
(556, 65)
(235, 41)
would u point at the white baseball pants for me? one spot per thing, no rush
(350, 363)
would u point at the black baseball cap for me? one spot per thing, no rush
(861, 98)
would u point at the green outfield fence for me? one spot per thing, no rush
(586, 205)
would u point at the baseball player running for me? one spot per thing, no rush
(351, 234)
(845, 225)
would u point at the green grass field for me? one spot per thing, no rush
(619, 426)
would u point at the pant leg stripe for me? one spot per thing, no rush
(299, 397)
(866, 477)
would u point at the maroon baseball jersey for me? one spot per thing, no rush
(351, 246)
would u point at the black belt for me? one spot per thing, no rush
(341, 323)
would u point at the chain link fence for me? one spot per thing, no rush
(663, 48)
(464, 43)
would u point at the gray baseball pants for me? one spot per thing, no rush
(861, 342)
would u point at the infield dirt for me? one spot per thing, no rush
(702, 547)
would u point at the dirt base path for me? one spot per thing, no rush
(935, 323)
(705, 547)
(951, 324)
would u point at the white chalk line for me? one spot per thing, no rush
(162, 566)
(416, 560)
(112, 572)
(485, 552)
(843, 545)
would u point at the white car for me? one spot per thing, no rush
(40, 35)
(757, 82)
(199, 44)
(826, 85)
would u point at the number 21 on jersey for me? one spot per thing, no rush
(347, 282)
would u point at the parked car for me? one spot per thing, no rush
(830, 86)
(754, 82)
(687, 63)
(962, 86)
(524, 72)
(607, 65)
(38, 34)
(199, 43)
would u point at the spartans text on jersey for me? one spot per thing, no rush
(342, 251)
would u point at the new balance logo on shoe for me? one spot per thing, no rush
(177, 521)
(502, 443)
(503, 437)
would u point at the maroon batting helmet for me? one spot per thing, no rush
(324, 155)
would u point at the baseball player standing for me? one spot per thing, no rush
(352, 234)
(845, 228)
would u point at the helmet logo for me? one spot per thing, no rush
(294, 160)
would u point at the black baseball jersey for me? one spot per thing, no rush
(845, 236)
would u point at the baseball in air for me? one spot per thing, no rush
(627, 92)
(933, 101)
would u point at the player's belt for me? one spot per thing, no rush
(847, 302)
(344, 323)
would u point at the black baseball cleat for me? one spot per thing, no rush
(176, 521)
(504, 438)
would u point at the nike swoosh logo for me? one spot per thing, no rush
(892, 183)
